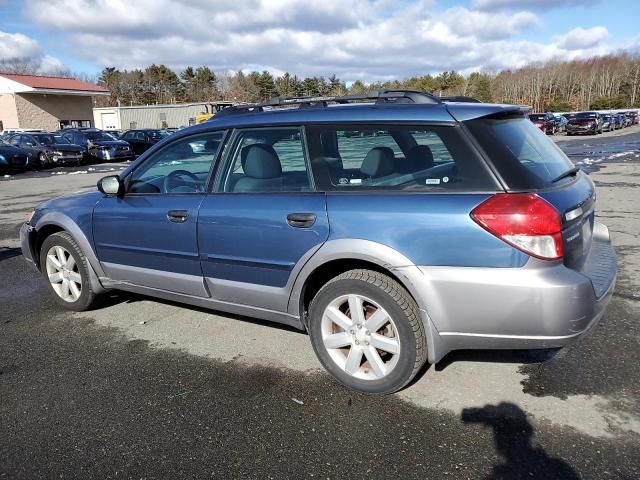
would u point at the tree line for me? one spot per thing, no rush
(596, 83)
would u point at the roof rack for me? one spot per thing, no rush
(379, 97)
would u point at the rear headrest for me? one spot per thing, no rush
(418, 158)
(261, 161)
(378, 162)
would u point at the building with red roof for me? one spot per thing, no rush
(44, 102)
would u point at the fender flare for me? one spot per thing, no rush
(408, 274)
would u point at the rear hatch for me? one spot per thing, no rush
(527, 161)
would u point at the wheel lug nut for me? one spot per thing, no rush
(367, 332)
(357, 342)
(359, 326)
(366, 343)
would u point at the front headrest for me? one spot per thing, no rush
(418, 158)
(211, 145)
(262, 161)
(378, 162)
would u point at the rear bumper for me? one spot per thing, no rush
(541, 305)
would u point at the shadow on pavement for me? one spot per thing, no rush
(512, 434)
(7, 253)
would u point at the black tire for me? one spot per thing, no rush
(42, 159)
(400, 306)
(87, 297)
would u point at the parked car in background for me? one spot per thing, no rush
(13, 158)
(618, 120)
(627, 119)
(561, 122)
(585, 122)
(608, 122)
(281, 215)
(9, 132)
(99, 145)
(634, 117)
(143, 139)
(48, 149)
(545, 122)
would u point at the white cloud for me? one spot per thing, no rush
(50, 66)
(530, 4)
(17, 45)
(351, 38)
(580, 38)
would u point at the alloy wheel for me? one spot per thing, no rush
(360, 337)
(63, 274)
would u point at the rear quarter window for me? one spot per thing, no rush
(523, 155)
(354, 158)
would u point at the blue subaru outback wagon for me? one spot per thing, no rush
(393, 227)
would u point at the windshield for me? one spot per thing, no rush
(158, 134)
(45, 139)
(99, 136)
(523, 155)
(61, 139)
(536, 117)
(582, 115)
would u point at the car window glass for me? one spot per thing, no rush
(395, 157)
(181, 167)
(129, 135)
(15, 140)
(267, 160)
(140, 136)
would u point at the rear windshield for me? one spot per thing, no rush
(586, 115)
(99, 136)
(354, 158)
(522, 154)
(537, 117)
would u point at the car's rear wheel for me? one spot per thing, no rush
(66, 271)
(366, 331)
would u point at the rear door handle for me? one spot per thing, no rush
(177, 216)
(301, 220)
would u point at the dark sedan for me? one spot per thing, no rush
(545, 122)
(585, 122)
(99, 145)
(13, 158)
(48, 149)
(142, 140)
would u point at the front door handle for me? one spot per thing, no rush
(177, 216)
(301, 220)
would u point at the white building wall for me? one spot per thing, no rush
(148, 116)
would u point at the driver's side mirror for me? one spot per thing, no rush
(111, 185)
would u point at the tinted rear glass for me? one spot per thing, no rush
(536, 117)
(523, 155)
(355, 158)
(583, 115)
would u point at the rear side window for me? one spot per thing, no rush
(394, 157)
(522, 154)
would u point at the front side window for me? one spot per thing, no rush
(267, 160)
(394, 157)
(181, 167)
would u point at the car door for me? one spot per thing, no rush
(148, 235)
(263, 220)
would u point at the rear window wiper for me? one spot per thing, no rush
(568, 173)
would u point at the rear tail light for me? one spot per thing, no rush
(523, 220)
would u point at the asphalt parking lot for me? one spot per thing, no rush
(141, 388)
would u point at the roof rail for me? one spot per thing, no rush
(380, 97)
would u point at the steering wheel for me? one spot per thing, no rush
(177, 176)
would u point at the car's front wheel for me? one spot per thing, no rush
(66, 271)
(366, 331)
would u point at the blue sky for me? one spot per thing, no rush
(368, 39)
